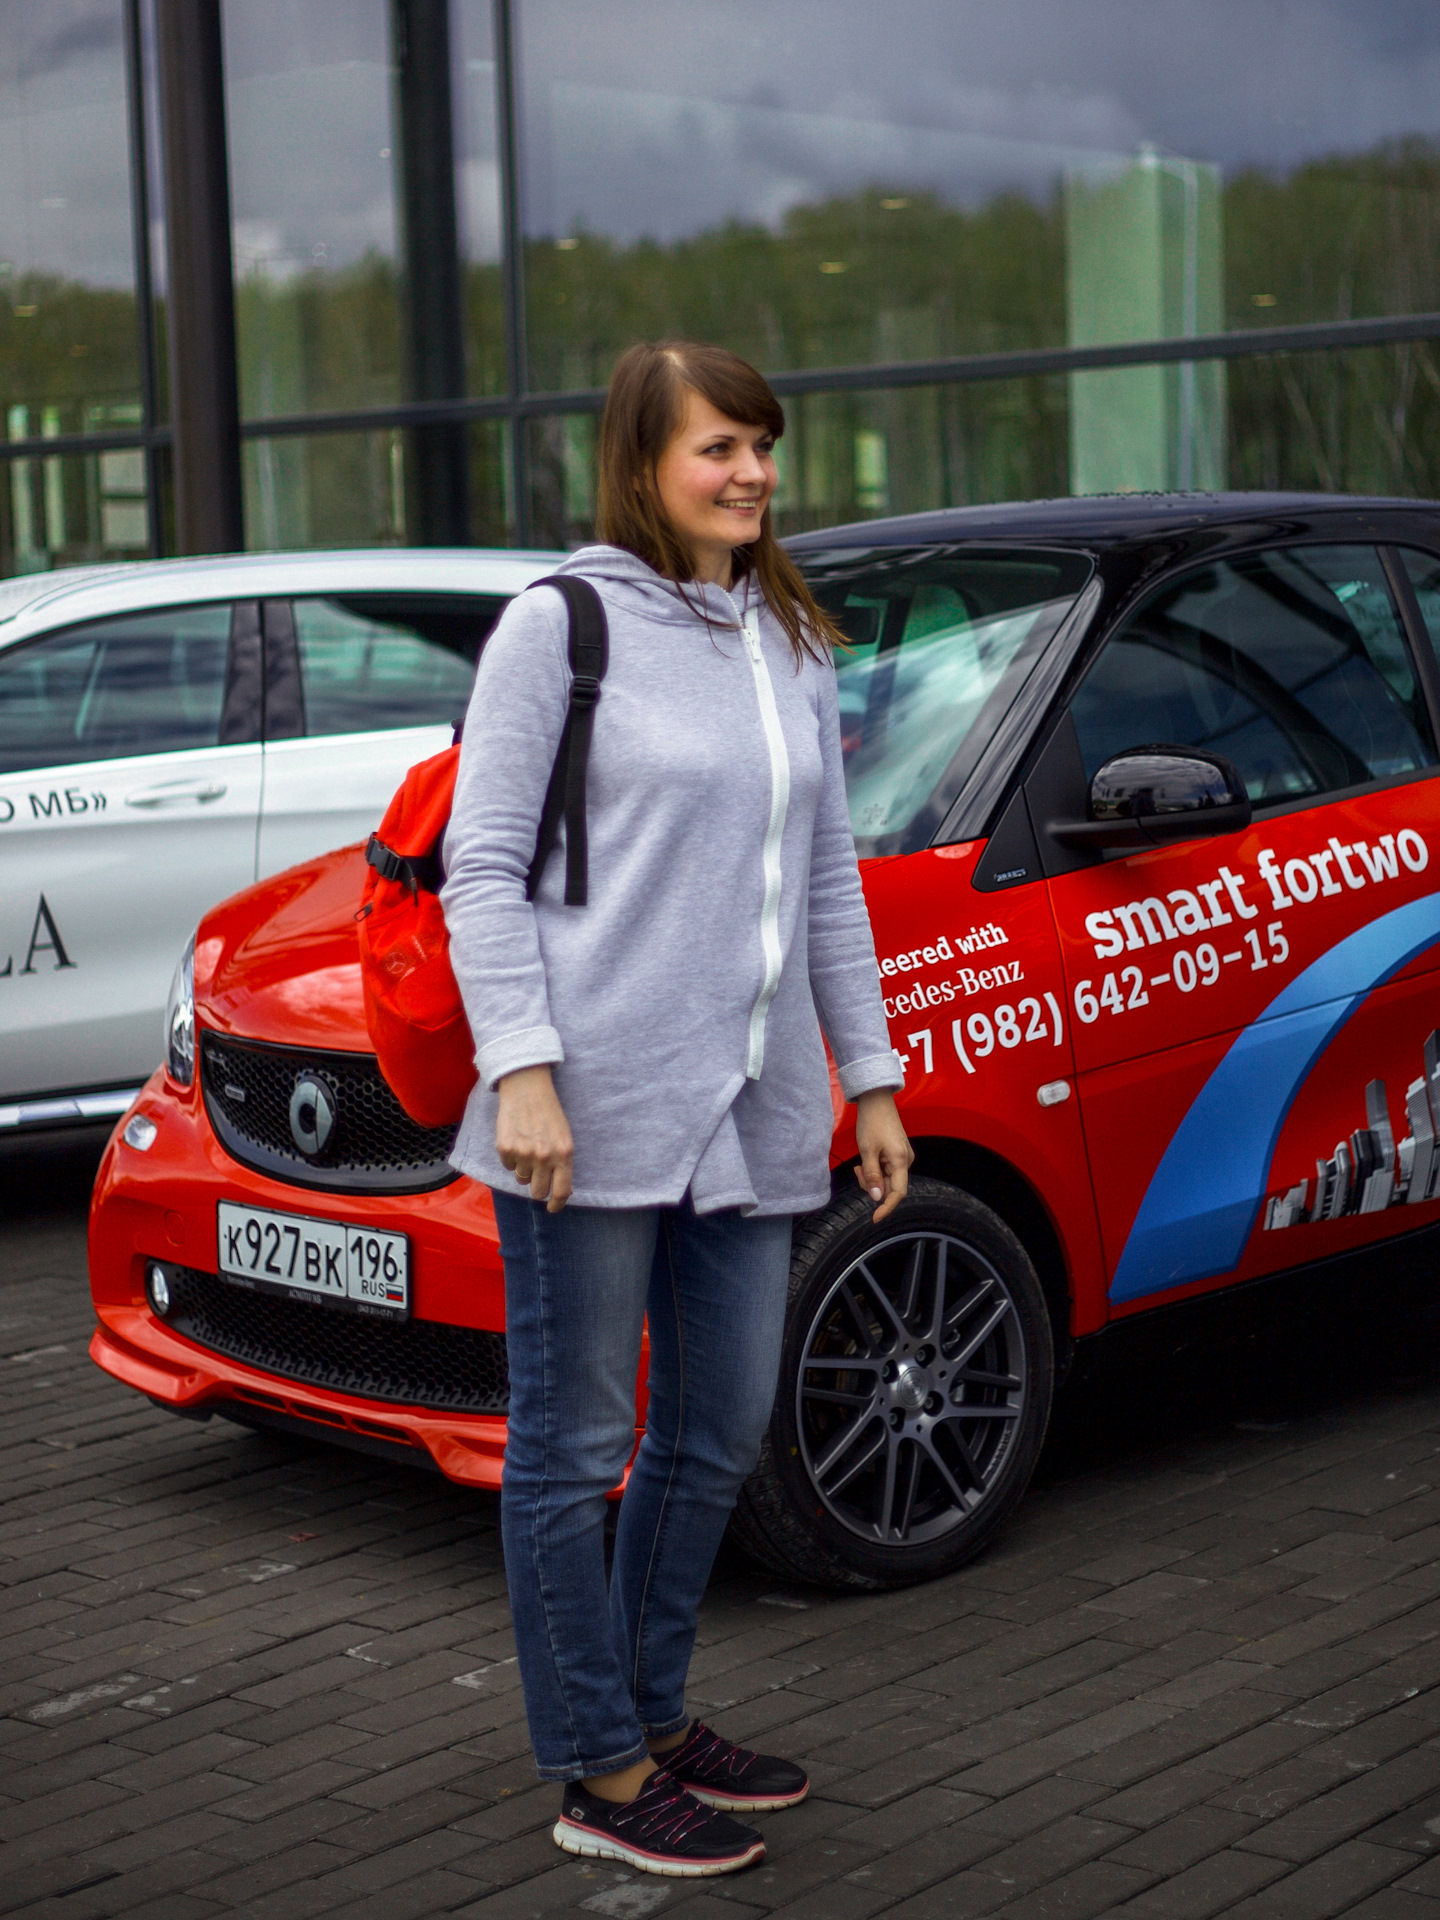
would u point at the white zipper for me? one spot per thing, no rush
(774, 832)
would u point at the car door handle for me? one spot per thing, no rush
(177, 793)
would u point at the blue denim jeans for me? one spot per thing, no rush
(601, 1670)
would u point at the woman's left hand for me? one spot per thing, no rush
(885, 1153)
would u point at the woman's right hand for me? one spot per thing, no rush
(532, 1136)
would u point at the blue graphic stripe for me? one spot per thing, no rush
(1203, 1200)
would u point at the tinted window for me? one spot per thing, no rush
(1293, 664)
(372, 661)
(1424, 572)
(941, 641)
(147, 683)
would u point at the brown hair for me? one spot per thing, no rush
(644, 410)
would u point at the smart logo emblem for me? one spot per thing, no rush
(312, 1115)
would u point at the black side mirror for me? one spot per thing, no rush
(1151, 796)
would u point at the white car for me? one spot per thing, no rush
(171, 731)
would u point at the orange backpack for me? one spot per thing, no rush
(413, 1008)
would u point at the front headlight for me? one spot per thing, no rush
(180, 1019)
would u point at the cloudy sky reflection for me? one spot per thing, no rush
(663, 117)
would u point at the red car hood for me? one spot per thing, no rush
(281, 961)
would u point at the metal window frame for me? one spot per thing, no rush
(518, 405)
(144, 280)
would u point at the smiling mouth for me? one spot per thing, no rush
(738, 506)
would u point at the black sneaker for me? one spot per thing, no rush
(663, 1829)
(733, 1778)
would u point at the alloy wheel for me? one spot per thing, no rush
(912, 1388)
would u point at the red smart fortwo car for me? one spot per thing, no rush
(1147, 793)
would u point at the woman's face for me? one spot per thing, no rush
(715, 480)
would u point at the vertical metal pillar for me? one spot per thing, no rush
(512, 259)
(204, 399)
(437, 464)
(144, 283)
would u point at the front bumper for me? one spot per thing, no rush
(160, 1205)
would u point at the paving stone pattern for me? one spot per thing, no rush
(247, 1676)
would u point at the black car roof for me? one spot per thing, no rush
(1110, 519)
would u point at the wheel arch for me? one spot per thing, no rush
(995, 1182)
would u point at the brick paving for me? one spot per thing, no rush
(246, 1676)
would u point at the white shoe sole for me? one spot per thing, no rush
(729, 1803)
(598, 1846)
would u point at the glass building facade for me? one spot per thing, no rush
(1063, 246)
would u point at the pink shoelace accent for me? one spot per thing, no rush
(662, 1811)
(710, 1757)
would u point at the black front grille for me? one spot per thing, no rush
(375, 1146)
(417, 1363)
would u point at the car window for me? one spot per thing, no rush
(1424, 572)
(371, 661)
(940, 642)
(143, 683)
(1292, 663)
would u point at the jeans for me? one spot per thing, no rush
(602, 1670)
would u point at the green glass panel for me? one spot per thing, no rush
(348, 489)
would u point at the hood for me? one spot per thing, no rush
(641, 591)
(281, 961)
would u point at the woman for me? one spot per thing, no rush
(653, 1105)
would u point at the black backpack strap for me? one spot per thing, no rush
(565, 795)
(416, 872)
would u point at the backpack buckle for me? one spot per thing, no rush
(584, 690)
(386, 862)
(414, 871)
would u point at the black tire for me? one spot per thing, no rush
(862, 1482)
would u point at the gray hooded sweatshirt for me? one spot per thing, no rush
(679, 1006)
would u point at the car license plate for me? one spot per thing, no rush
(355, 1267)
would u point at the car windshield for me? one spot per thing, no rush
(941, 641)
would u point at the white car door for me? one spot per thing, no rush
(365, 685)
(129, 803)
